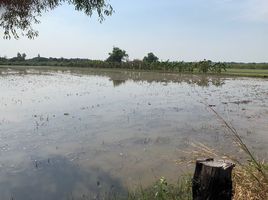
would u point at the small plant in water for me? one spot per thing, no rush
(162, 190)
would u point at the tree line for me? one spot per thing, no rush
(118, 58)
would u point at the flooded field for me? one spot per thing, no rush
(87, 133)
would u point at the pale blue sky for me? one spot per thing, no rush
(190, 30)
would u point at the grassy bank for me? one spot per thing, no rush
(162, 190)
(249, 183)
(259, 73)
(262, 73)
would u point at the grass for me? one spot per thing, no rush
(231, 71)
(162, 190)
(263, 73)
(250, 183)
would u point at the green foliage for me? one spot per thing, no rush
(248, 65)
(19, 55)
(204, 66)
(3, 59)
(162, 190)
(23, 56)
(117, 55)
(19, 15)
(150, 58)
(218, 67)
(19, 58)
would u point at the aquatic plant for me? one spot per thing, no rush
(162, 190)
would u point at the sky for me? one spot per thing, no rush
(188, 30)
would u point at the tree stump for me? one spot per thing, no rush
(212, 180)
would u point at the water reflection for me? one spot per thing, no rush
(112, 129)
(57, 178)
(119, 77)
(117, 82)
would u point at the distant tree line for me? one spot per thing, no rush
(118, 58)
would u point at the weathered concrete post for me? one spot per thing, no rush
(212, 180)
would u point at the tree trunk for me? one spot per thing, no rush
(212, 180)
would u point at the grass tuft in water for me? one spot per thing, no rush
(162, 190)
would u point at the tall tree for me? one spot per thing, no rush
(23, 56)
(117, 55)
(19, 55)
(150, 58)
(19, 15)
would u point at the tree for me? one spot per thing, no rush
(117, 55)
(19, 55)
(23, 56)
(19, 15)
(150, 58)
(3, 58)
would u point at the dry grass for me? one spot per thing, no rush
(249, 183)
(250, 177)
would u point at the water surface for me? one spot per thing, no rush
(89, 133)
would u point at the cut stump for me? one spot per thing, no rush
(212, 180)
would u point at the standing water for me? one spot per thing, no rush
(87, 133)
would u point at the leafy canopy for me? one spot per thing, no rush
(150, 58)
(19, 15)
(117, 55)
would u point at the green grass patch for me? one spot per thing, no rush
(263, 73)
(162, 190)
